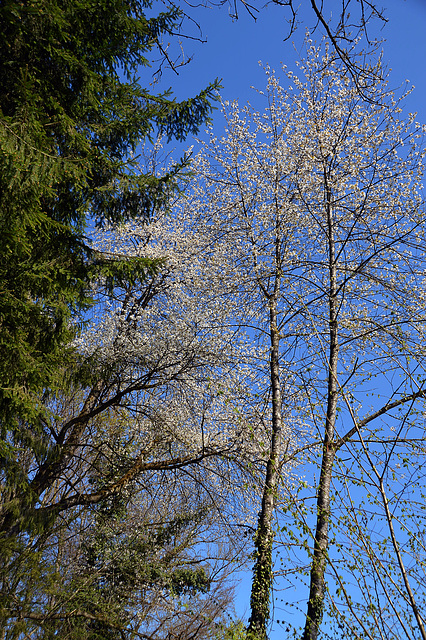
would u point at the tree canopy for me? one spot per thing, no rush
(72, 115)
(238, 366)
(314, 208)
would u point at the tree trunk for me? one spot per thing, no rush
(319, 561)
(262, 578)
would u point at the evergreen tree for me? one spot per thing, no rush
(72, 114)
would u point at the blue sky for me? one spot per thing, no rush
(235, 47)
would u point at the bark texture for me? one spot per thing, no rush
(317, 582)
(262, 579)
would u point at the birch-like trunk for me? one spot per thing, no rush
(319, 561)
(262, 578)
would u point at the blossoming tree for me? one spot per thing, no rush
(164, 410)
(316, 215)
(281, 336)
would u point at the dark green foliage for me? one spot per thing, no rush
(127, 569)
(117, 568)
(125, 559)
(72, 114)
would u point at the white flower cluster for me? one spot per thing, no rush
(319, 198)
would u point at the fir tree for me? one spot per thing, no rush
(72, 114)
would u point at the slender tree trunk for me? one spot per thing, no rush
(319, 561)
(262, 578)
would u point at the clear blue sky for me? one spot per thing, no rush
(235, 47)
